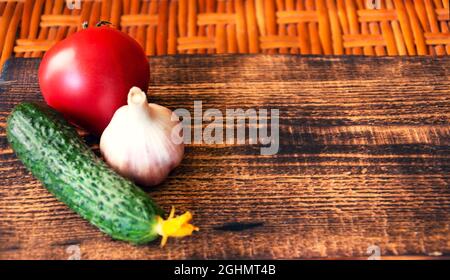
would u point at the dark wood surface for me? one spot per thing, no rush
(364, 160)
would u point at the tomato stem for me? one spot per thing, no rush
(103, 22)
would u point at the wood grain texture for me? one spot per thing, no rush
(363, 160)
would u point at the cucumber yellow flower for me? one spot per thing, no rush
(178, 226)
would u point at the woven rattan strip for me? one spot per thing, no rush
(12, 13)
(330, 27)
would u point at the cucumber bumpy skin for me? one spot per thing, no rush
(55, 154)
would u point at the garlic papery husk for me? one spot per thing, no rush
(138, 142)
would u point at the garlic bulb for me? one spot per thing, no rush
(138, 142)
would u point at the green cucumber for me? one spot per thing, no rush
(55, 154)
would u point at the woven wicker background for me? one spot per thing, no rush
(357, 27)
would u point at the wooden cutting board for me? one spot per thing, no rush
(363, 163)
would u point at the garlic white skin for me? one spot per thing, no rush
(138, 144)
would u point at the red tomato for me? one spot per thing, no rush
(87, 76)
